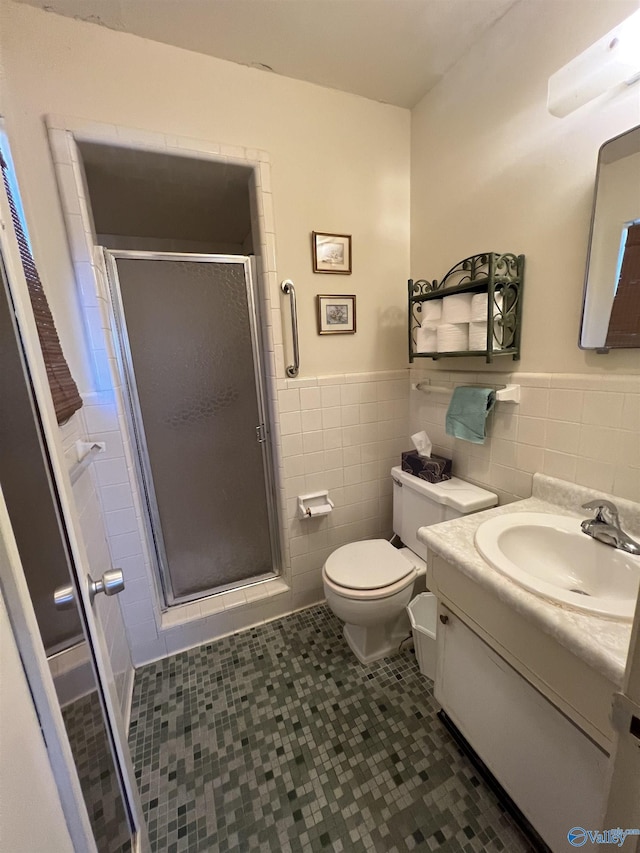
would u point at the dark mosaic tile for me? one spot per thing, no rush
(279, 739)
(92, 756)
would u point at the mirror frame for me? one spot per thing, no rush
(600, 350)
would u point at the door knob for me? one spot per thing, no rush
(111, 583)
(63, 597)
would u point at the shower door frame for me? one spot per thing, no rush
(135, 422)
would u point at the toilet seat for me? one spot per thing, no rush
(368, 570)
(369, 594)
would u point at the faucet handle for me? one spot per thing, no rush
(606, 512)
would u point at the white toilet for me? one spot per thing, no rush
(368, 584)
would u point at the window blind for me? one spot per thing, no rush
(64, 390)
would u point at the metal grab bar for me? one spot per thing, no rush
(288, 288)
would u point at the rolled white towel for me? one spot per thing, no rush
(479, 305)
(452, 337)
(426, 338)
(457, 308)
(431, 311)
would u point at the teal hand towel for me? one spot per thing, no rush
(467, 413)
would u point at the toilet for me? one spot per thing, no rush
(368, 584)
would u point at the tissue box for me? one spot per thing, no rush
(433, 469)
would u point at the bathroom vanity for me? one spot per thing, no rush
(529, 683)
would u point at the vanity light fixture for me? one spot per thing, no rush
(613, 61)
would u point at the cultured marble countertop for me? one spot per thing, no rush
(602, 643)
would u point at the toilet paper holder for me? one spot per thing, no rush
(315, 504)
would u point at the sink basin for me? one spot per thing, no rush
(551, 556)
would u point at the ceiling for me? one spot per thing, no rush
(387, 50)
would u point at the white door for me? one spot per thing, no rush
(28, 381)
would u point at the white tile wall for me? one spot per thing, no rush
(344, 445)
(577, 427)
(108, 609)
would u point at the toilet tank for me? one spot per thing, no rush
(417, 503)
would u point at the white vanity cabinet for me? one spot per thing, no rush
(529, 683)
(580, 692)
(552, 771)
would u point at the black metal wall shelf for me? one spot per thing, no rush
(498, 275)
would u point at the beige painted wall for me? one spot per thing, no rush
(339, 163)
(493, 171)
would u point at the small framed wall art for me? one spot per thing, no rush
(331, 252)
(336, 314)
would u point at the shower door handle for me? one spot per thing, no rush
(289, 289)
(111, 583)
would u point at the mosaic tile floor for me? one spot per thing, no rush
(92, 755)
(277, 739)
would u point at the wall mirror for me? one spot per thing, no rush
(611, 306)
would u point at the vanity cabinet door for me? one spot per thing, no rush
(553, 771)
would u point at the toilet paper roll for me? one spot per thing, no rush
(323, 509)
(457, 308)
(426, 339)
(452, 337)
(478, 336)
(479, 306)
(431, 311)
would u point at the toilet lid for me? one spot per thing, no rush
(371, 564)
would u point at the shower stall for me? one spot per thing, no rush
(190, 355)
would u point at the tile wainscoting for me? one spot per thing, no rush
(108, 609)
(578, 427)
(342, 433)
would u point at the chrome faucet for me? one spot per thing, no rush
(605, 526)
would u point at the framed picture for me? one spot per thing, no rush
(331, 252)
(336, 314)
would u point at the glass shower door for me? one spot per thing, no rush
(190, 351)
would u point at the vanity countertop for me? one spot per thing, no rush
(602, 643)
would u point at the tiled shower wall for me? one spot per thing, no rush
(342, 433)
(581, 428)
(108, 608)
